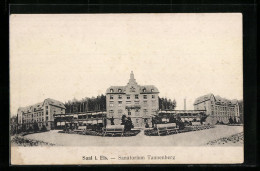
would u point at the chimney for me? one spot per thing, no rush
(185, 104)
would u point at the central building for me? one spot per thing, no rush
(133, 100)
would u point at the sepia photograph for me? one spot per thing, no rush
(126, 88)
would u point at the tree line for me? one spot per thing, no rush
(86, 104)
(166, 104)
(99, 104)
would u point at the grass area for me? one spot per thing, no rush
(236, 139)
(99, 133)
(22, 141)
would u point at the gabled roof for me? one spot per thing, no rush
(203, 98)
(31, 108)
(39, 106)
(55, 103)
(218, 99)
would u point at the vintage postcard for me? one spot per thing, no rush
(126, 89)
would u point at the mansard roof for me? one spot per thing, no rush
(39, 106)
(203, 98)
(55, 103)
(132, 81)
(217, 98)
(116, 89)
(148, 88)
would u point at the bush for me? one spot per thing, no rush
(35, 127)
(30, 129)
(128, 124)
(43, 128)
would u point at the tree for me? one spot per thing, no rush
(35, 127)
(128, 124)
(165, 104)
(44, 128)
(231, 120)
(172, 119)
(112, 121)
(180, 123)
(123, 120)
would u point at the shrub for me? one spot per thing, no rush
(43, 128)
(35, 127)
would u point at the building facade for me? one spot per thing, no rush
(217, 108)
(138, 102)
(241, 110)
(40, 113)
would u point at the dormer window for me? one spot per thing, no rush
(152, 90)
(111, 91)
(144, 90)
(119, 90)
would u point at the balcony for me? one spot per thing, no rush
(133, 106)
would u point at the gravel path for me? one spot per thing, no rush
(195, 138)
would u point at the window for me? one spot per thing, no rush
(111, 97)
(111, 91)
(128, 96)
(119, 90)
(145, 111)
(137, 112)
(119, 96)
(136, 102)
(111, 104)
(129, 113)
(153, 96)
(46, 107)
(144, 90)
(120, 112)
(119, 103)
(145, 96)
(136, 96)
(145, 103)
(152, 90)
(128, 102)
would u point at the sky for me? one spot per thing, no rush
(66, 56)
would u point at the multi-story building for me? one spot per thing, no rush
(138, 102)
(217, 108)
(241, 110)
(40, 113)
(13, 124)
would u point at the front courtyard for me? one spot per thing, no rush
(194, 138)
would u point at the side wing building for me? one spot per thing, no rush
(218, 109)
(40, 113)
